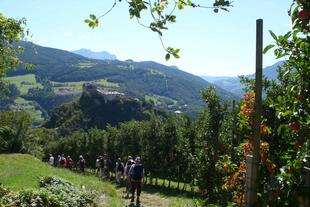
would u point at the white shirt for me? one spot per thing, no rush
(51, 160)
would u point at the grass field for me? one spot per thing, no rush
(86, 64)
(24, 82)
(28, 106)
(19, 171)
(160, 100)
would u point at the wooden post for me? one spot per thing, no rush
(252, 171)
(249, 196)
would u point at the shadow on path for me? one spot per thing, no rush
(169, 191)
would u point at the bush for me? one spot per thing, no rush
(53, 192)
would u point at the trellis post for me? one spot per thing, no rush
(253, 161)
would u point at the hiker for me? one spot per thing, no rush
(63, 161)
(98, 165)
(70, 162)
(81, 163)
(110, 167)
(129, 159)
(51, 160)
(119, 170)
(136, 174)
(57, 161)
(103, 166)
(126, 177)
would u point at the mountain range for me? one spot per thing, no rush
(103, 55)
(233, 85)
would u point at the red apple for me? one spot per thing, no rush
(303, 14)
(298, 143)
(294, 126)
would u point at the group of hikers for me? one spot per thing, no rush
(67, 162)
(132, 172)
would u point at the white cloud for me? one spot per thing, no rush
(84, 37)
(68, 34)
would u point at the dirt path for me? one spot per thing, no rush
(147, 200)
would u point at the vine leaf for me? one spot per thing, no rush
(267, 48)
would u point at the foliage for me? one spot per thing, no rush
(9, 92)
(289, 116)
(285, 127)
(94, 110)
(11, 31)
(16, 135)
(53, 192)
(46, 97)
(14, 127)
(162, 13)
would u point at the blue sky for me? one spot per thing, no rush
(210, 43)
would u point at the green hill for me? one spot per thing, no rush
(93, 109)
(169, 87)
(20, 172)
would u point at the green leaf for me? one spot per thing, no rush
(267, 48)
(273, 35)
(175, 55)
(167, 56)
(92, 16)
(181, 6)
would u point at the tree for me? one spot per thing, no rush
(285, 127)
(11, 31)
(8, 94)
(14, 128)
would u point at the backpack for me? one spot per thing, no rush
(137, 172)
(102, 165)
(82, 162)
(120, 167)
(62, 161)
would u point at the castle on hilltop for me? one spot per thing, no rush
(108, 94)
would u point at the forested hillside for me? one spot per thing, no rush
(93, 110)
(164, 86)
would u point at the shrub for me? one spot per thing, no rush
(53, 192)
